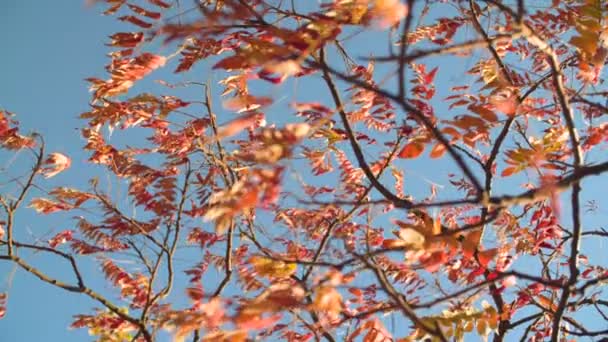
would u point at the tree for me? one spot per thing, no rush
(251, 217)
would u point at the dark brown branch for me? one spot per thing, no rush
(418, 115)
(398, 298)
(564, 103)
(78, 289)
(399, 202)
(10, 208)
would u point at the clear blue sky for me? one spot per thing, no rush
(48, 49)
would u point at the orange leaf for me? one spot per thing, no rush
(470, 243)
(393, 243)
(451, 131)
(257, 322)
(434, 261)
(484, 112)
(438, 150)
(388, 12)
(327, 299)
(411, 150)
(485, 257)
(547, 303)
(509, 171)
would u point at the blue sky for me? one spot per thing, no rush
(48, 49)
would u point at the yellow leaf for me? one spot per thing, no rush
(327, 299)
(272, 268)
(411, 237)
(482, 327)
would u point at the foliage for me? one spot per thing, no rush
(263, 219)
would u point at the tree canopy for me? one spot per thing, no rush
(358, 170)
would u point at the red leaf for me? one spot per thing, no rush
(126, 39)
(430, 76)
(160, 3)
(232, 63)
(136, 21)
(61, 238)
(144, 12)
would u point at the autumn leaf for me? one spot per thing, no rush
(434, 261)
(388, 12)
(61, 238)
(484, 112)
(126, 39)
(245, 103)
(272, 268)
(144, 12)
(160, 3)
(328, 300)
(505, 100)
(438, 150)
(237, 125)
(64, 194)
(136, 21)
(546, 303)
(55, 164)
(257, 322)
(485, 257)
(508, 171)
(411, 150)
(45, 206)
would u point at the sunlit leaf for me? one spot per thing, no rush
(411, 150)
